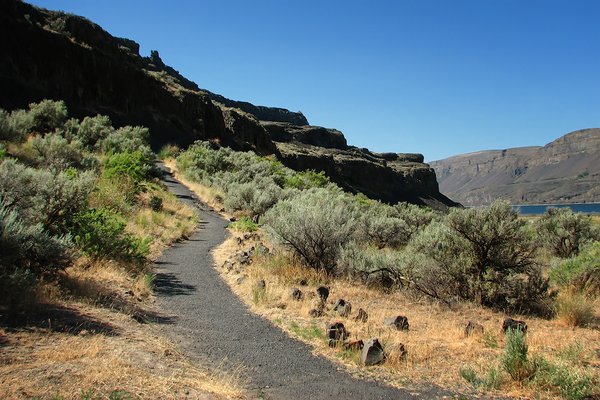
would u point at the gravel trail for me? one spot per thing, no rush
(213, 327)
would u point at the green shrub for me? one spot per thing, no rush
(568, 381)
(253, 198)
(306, 180)
(514, 360)
(244, 224)
(44, 197)
(168, 151)
(481, 255)
(101, 233)
(156, 203)
(128, 139)
(565, 232)
(54, 151)
(314, 224)
(7, 128)
(28, 247)
(135, 165)
(381, 226)
(373, 267)
(46, 116)
(580, 273)
(93, 130)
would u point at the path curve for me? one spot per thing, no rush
(215, 328)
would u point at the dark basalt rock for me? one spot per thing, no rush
(323, 293)
(342, 307)
(72, 59)
(361, 316)
(372, 353)
(400, 322)
(336, 333)
(514, 324)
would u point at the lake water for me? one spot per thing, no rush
(586, 208)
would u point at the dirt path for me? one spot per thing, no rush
(215, 328)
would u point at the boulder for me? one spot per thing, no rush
(297, 294)
(323, 293)
(473, 328)
(342, 308)
(372, 352)
(336, 333)
(361, 316)
(399, 322)
(514, 324)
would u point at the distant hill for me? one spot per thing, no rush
(49, 54)
(566, 170)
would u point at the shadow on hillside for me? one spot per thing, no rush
(167, 284)
(57, 318)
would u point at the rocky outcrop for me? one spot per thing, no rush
(70, 58)
(566, 170)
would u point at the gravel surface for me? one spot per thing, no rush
(213, 327)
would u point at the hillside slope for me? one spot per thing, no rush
(566, 170)
(48, 54)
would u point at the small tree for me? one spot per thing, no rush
(314, 224)
(564, 232)
(482, 255)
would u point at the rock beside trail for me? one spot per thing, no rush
(336, 333)
(372, 352)
(297, 294)
(514, 324)
(323, 293)
(361, 316)
(342, 307)
(399, 322)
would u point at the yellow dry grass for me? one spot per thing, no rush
(436, 343)
(134, 359)
(210, 196)
(175, 221)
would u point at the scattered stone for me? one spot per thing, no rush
(303, 282)
(362, 316)
(129, 293)
(473, 328)
(242, 257)
(281, 306)
(372, 353)
(400, 322)
(297, 294)
(233, 219)
(318, 311)
(323, 293)
(336, 333)
(342, 308)
(514, 324)
(355, 345)
(240, 280)
(255, 219)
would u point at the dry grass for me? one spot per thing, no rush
(437, 347)
(132, 358)
(210, 196)
(175, 221)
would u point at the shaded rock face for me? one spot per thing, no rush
(565, 170)
(70, 58)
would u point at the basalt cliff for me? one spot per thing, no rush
(47, 54)
(566, 170)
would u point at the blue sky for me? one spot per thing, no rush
(438, 77)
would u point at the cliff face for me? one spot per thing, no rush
(565, 170)
(55, 55)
